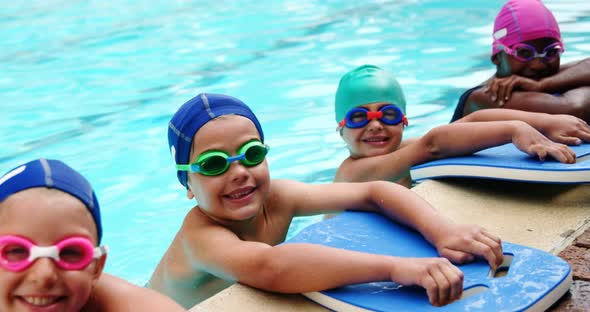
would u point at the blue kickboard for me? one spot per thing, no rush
(535, 279)
(509, 163)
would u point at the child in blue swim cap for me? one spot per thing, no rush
(50, 253)
(370, 110)
(234, 232)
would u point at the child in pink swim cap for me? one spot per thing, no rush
(526, 49)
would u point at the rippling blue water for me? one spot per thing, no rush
(94, 83)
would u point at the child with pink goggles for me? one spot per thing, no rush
(524, 20)
(73, 253)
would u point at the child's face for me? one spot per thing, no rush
(46, 216)
(374, 139)
(536, 69)
(237, 194)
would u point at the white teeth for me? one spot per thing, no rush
(238, 195)
(374, 139)
(40, 301)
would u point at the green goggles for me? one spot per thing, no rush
(215, 162)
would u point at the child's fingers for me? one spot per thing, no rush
(568, 140)
(455, 278)
(495, 258)
(540, 152)
(510, 89)
(493, 91)
(443, 286)
(431, 287)
(556, 154)
(496, 243)
(584, 133)
(456, 256)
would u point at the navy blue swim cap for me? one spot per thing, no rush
(195, 113)
(52, 174)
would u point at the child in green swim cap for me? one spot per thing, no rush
(370, 110)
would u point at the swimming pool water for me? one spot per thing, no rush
(94, 83)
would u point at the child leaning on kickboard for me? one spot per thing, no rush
(370, 111)
(234, 233)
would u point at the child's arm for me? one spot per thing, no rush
(112, 294)
(294, 268)
(456, 242)
(454, 139)
(570, 76)
(574, 102)
(564, 129)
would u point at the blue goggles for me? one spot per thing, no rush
(359, 117)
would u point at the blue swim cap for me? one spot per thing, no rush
(195, 113)
(52, 174)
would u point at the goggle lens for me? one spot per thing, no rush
(73, 254)
(213, 164)
(14, 252)
(254, 155)
(526, 53)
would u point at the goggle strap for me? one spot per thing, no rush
(44, 252)
(405, 120)
(183, 167)
(342, 123)
(99, 251)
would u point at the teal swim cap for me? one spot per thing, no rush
(367, 84)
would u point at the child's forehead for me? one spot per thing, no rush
(48, 210)
(225, 130)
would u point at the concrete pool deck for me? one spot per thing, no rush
(550, 217)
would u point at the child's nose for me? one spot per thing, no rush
(375, 124)
(537, 64)
(238, 171)
(43, 272)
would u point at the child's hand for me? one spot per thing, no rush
(442, 280)
(566, 129)
(500, 89)
(532, 142)
(463, 242)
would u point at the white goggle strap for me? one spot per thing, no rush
(99, 251)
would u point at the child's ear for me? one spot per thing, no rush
(495, 59)
(189, 193)
(99, 267)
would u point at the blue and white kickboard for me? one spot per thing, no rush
(506, 162)
(534, 281)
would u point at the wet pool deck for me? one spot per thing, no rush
(554, 218)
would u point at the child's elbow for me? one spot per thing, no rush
(578, 106)
(431, 143)
(269, 275)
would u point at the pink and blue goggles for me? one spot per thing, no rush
(359, 117)
(525, 53)
(73, 253)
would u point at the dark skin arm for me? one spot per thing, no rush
(516, 92)
(574, 102)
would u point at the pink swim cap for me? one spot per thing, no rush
(523, 20)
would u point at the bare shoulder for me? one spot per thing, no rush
(346, 171)
(115, 294)
(282, 195)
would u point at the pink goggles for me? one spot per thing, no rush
(525, 53)
(73, 253)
